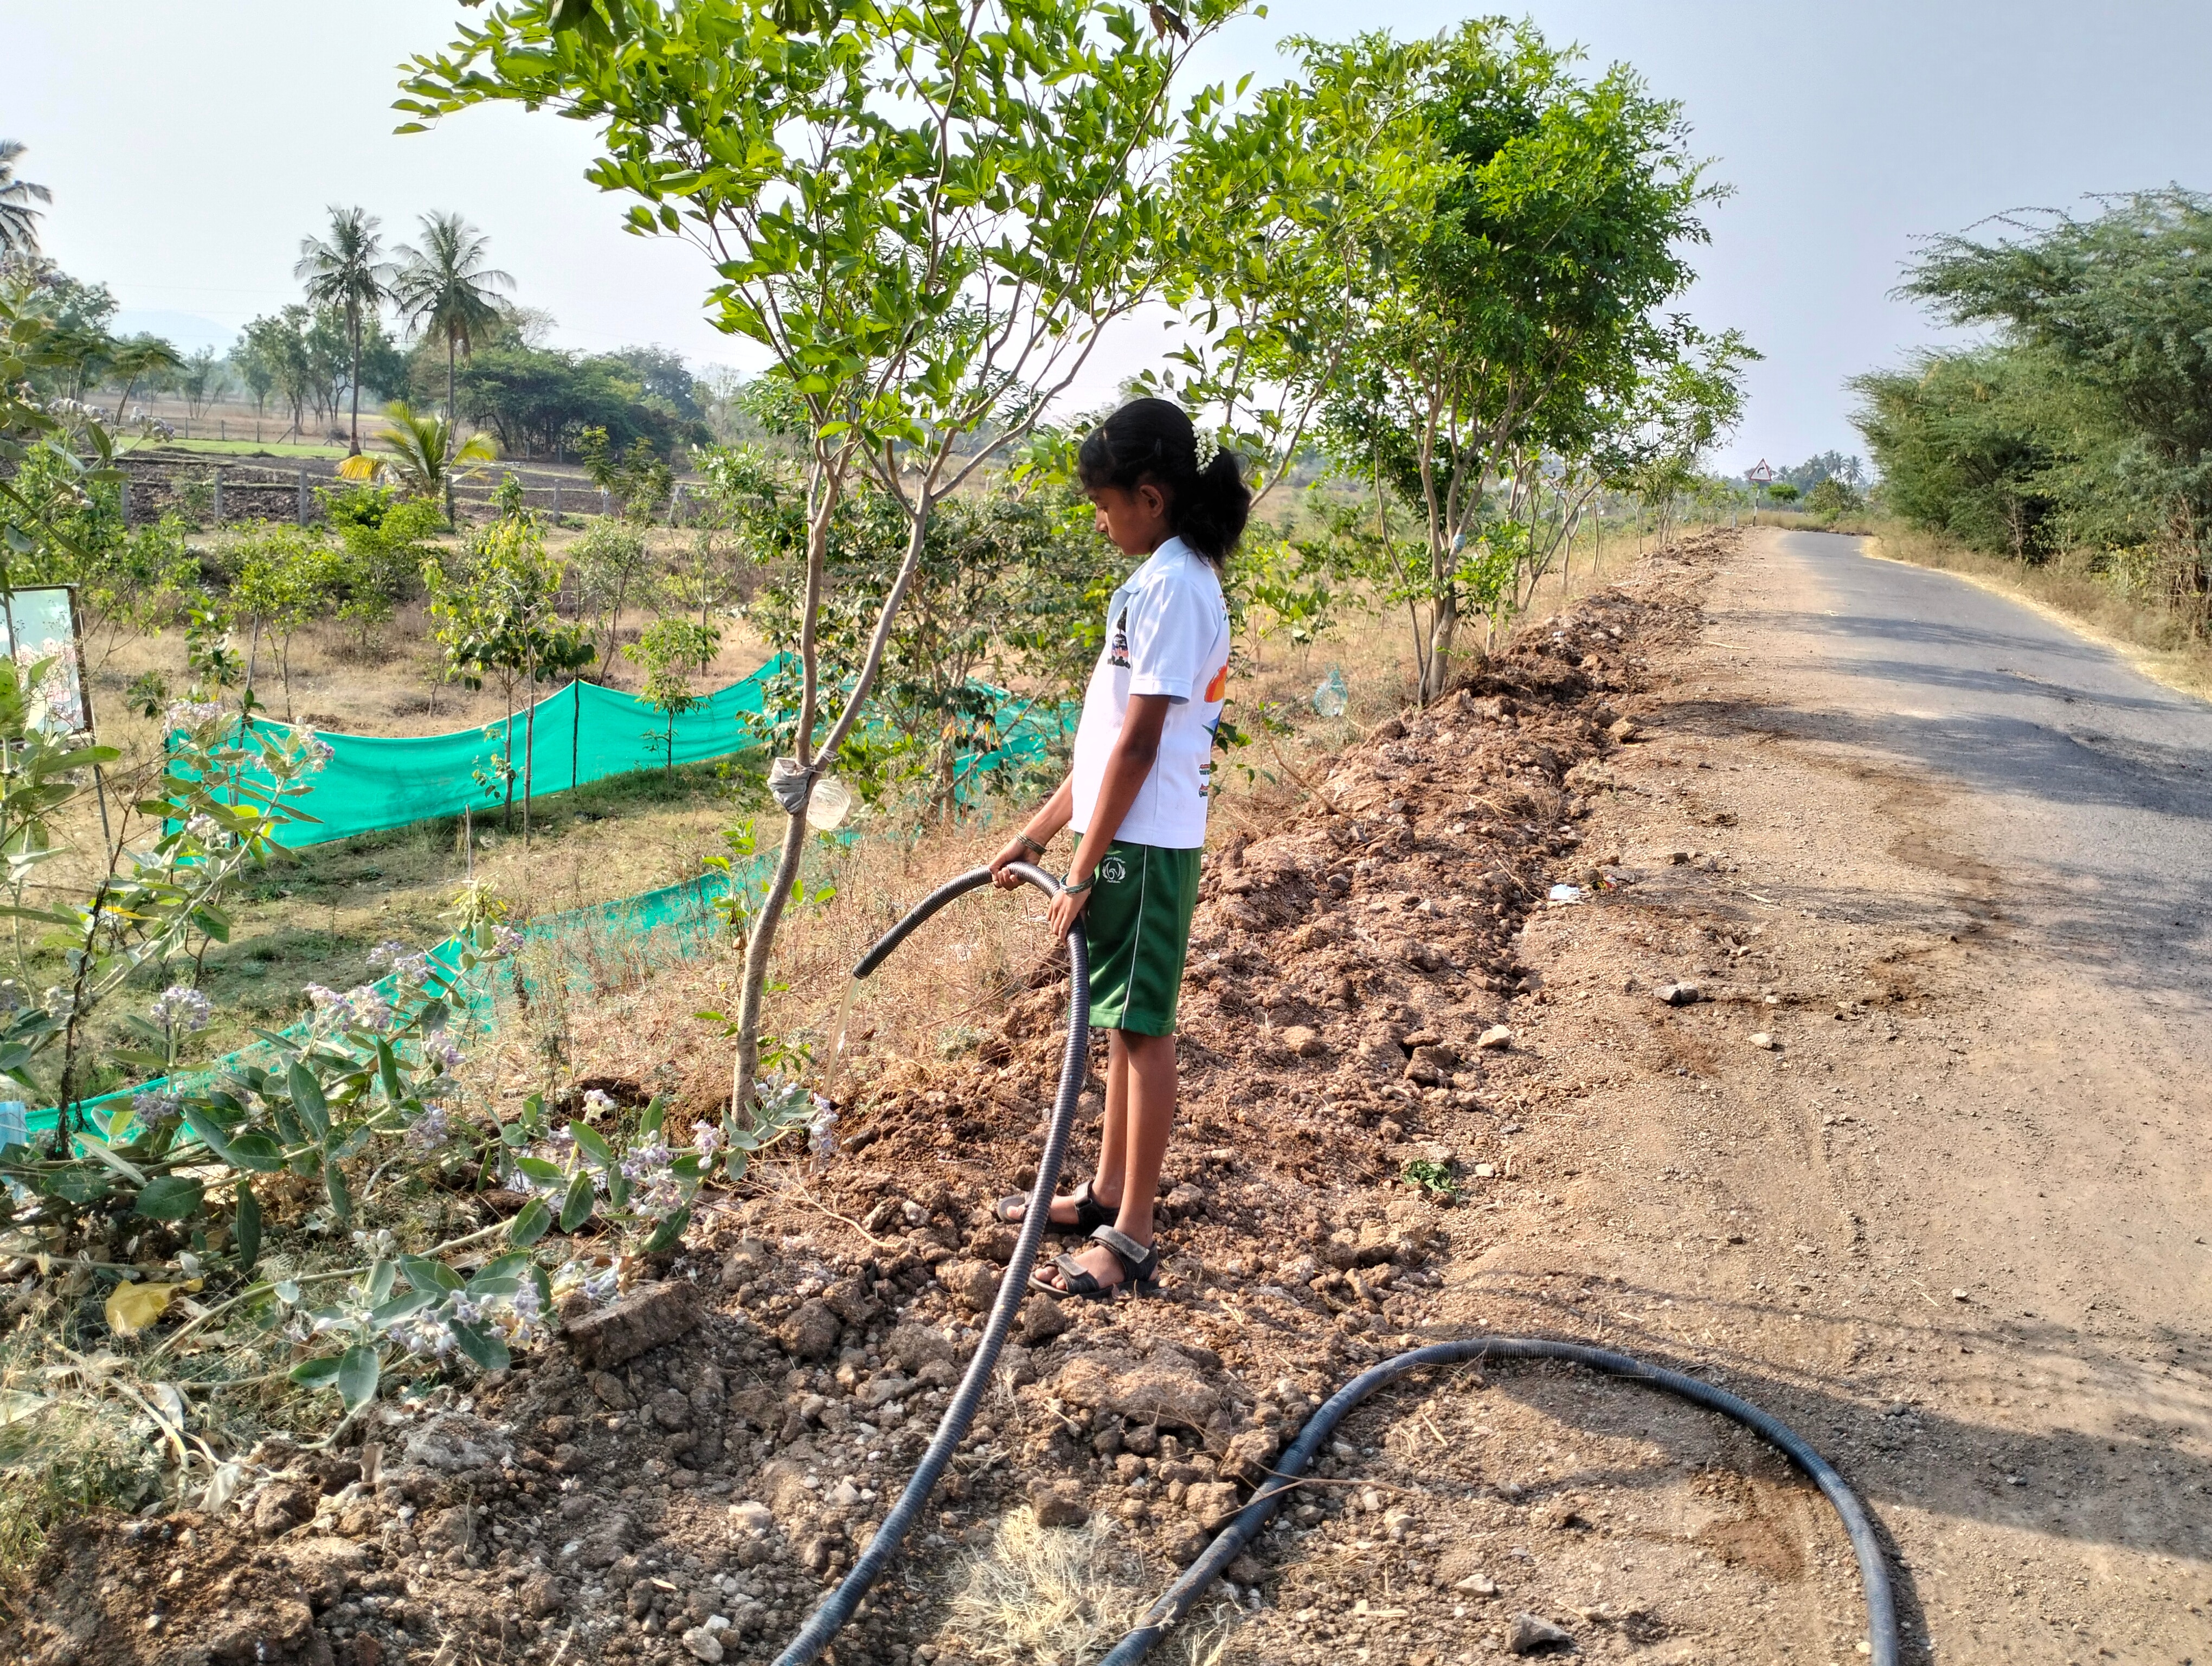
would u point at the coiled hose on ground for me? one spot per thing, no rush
(1180, 1597)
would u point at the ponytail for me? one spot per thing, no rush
(1153, 440)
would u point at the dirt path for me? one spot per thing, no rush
(1954, 1224)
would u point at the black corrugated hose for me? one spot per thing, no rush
(1184, 1595)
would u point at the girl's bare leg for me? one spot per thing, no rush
(1141, 1108)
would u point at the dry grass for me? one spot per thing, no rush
(2068, 589)
(1056, 1597)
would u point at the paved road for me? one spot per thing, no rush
(2094, 783)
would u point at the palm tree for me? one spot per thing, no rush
(344, 270)
(19, 229)
(445, 286)
(137, 358)
(419, 451)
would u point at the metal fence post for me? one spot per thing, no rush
(556, 503)
(303, 497)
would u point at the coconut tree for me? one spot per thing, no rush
(445, 286)
(19, 221)
(346, 270)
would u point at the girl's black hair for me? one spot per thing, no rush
(1152, 440)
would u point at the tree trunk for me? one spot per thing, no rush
(794, 837)
(1437, 672)
(529, 750)
(507, 812)
(453, 421)
(353, 450)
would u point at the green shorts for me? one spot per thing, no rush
(1139, 924)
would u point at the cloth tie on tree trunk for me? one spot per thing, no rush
(790, 781)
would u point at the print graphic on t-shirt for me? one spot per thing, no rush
(1220, 685)
(1117, 651)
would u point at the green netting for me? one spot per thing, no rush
(629, 935)
(583, 733)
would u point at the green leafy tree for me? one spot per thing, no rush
(669, 652)
(541, 401)
(346, 269)
(497, 620)
(924, 214)
(613, 568)
(444, 289)
(200, 379)
(287, 577)
(1562, 213)
(1967, 446)
(385, 536)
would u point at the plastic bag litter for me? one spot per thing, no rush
(1566, 894)
(831, 803)
(1330, 695)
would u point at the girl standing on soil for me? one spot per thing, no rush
(1136, 799)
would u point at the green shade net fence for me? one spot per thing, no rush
(582, 733)
(613, 942)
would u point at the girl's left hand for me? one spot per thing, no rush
(1066, 911)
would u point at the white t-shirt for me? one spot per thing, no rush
(1167, 632)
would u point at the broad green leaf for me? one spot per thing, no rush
(387, 1314)
(358, 1370)
(247, 1226)
(169, 1197)
(576, 1208)
(588, 1142)
(530, 1224)
(316, 1373)
(307, 1095)
(380, 1276)
(482, 1345)
(538, 1168)
(387, 1071)
(334, 1182)
(668, 1231)
(424, 1274)
(256, 1150)
(211, 1134)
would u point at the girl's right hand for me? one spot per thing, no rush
(1016, 850)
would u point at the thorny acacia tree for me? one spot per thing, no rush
(1560, 226)
(924, 211)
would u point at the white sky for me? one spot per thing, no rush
(191, 148)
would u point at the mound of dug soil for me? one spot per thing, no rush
(679, 1481)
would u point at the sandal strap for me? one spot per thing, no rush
(1137, 1261)
(1081, 1280)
